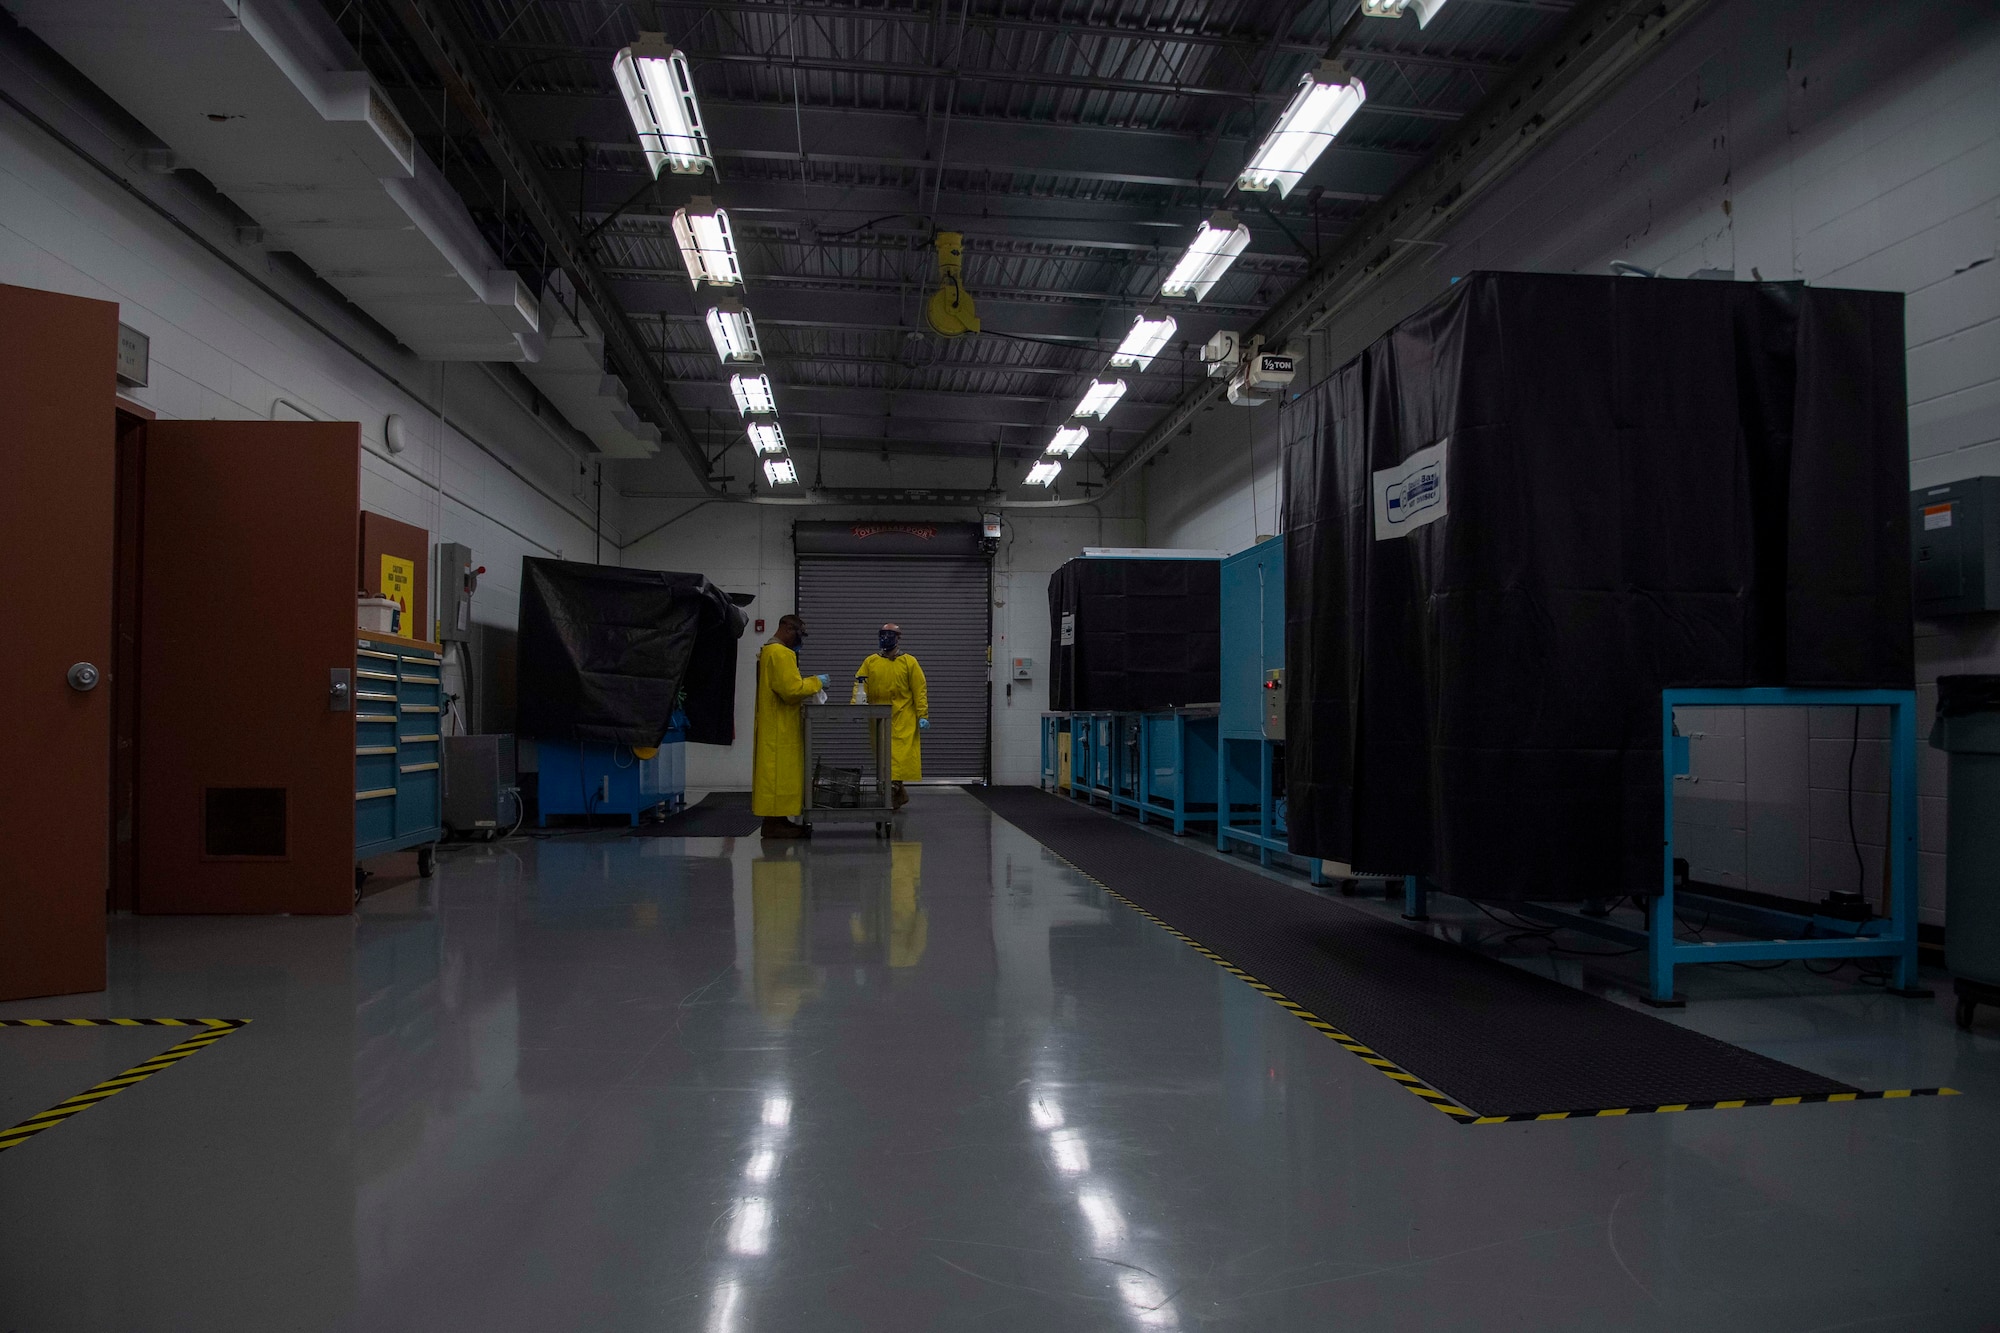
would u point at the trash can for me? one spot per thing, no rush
(1968, 729)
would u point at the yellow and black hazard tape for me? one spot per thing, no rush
(1410, 1083)
(212, 1031)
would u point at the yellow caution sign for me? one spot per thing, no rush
(399, 585)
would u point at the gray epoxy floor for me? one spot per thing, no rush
(603, 1083)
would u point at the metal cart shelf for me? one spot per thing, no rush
(839, 794)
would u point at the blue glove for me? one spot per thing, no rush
(923, 724)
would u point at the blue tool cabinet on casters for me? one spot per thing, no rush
(397, 709)
(1248, 742)
(1785, 933)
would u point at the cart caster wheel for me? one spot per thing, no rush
(426, 860)
(1967, 1007)
(360, 878)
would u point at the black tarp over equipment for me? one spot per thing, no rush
(606, 653)
(1135, 634)
(1517, 517)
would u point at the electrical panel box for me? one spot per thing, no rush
(454, 584)
(1274, 705)
(1955, 547)
(1024, 668)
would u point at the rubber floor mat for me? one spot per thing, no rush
(720, 814)
(1495, 1041)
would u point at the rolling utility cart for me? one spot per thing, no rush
(847, 765)
(396, 712)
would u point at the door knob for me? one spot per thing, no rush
(83, 677)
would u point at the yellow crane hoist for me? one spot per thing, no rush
(949, 311)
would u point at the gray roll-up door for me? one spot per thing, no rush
(944, 607)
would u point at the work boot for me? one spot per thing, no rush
(777, 826)
(898, 798)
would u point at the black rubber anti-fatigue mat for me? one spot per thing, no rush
(1493, 1039)
(720, 814)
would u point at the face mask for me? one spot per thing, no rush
(887, 641)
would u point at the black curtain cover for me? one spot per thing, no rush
(1143, 634)
(605, 654)
(1517, 517)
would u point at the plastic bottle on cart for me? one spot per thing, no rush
(860, 691)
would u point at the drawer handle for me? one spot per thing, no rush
(370, 652)
(375, 795)
(374, 749)
(374, 717)
(420, 680)
(374, 675)
(376, 696)
(417, 708)
(419, 768)
(419, 740)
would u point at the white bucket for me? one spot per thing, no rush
(377, 613)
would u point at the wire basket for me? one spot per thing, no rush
(836, 788)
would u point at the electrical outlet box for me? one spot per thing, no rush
(454, 592)
(1274, 705)
(1955, 547)
(1024, 668)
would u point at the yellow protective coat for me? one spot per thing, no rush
(899, 681)
(778, 768)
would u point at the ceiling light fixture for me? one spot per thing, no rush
(1393, 9)
(1044, 472)
(780, 472)
(1327, 99)
(753, 395)
(766, 437)
(1208, 257)
(734, 332)
(1068, 440)
(659, 96)
(708, 248)
(1144, 342)
(1100, 398)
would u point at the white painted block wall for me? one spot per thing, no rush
(223, 349)
(1851, 145)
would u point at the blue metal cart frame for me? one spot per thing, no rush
(1178, 792)
(1894, 938)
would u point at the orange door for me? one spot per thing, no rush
(246, 775)
(57, 491)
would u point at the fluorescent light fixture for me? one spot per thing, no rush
(1068, 440)
(766, 437)
(780, 472)
(753, 395)
(734, 332)
(1144, 342)
(1326, 100)
(659, 96)
(1208, 257)
(1393, 9)
(1099, 399)
(1044, 472)
(708, 248)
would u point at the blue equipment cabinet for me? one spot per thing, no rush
(1250, 731)
(397, 707)
(608, 778)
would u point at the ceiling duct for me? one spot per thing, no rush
(571, 375)
(268, 101)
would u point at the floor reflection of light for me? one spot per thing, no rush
(778, 1111)
(1147, 1298)
(750, 1229)
(1072, 1158)
(762, 1166)
(723, 1308)
(1107, 1224)
(1045, 1112)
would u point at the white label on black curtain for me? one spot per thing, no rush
(1412, 493)
(1068, 628)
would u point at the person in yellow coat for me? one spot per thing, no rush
(778, 767)
(891, 676)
